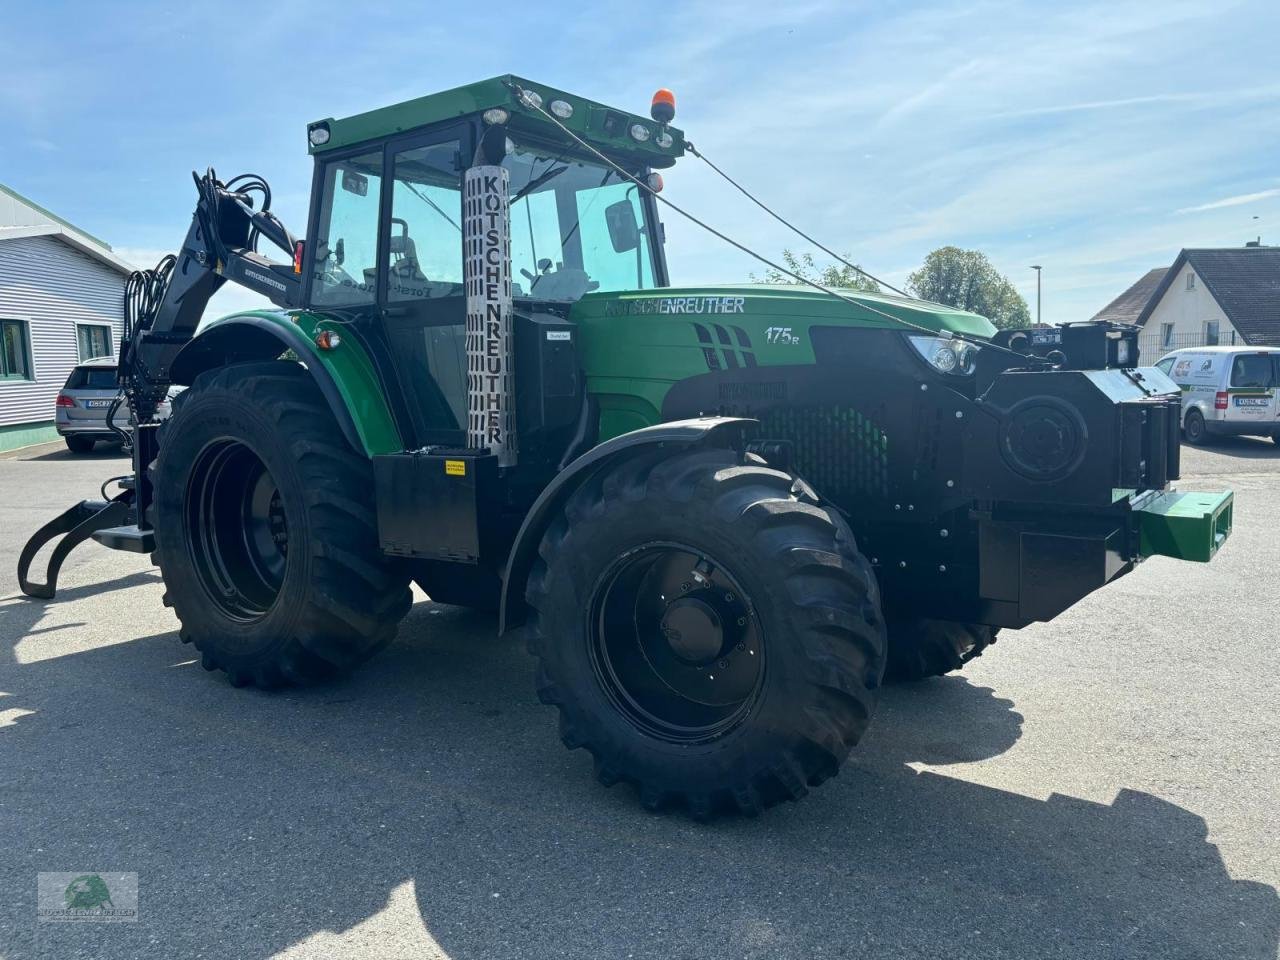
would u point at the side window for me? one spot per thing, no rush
(95, 341)
(425, 250)
(15, 355)
(535, 237)
(614, 252)
(346, 255)
(1251, 371)
(1165, 365)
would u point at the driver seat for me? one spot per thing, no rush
(404, 261)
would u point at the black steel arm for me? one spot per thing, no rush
(219, 247)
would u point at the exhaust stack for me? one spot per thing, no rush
(487, 271)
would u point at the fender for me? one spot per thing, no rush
(345, 375)
(678, 434)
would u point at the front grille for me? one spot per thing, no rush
(844, 454)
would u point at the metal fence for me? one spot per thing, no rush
(1153, 346)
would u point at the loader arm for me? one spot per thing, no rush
(165, 304)
(163, 307)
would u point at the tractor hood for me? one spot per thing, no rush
(782, 303)
(635, 345)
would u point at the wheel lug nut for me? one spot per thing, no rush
(685, 585)
(728, 598)
(742, 622)
(742, 646)
(724, 664)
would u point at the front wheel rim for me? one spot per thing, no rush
(675, 643)
(238, 537)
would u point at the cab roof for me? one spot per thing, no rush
(604, 127)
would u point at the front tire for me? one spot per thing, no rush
(708, 630)
(921, 648)
(265, 532)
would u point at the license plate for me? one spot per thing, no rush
(1252, 401)
(94, 404)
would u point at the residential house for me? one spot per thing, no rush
(1207, 297)
(61, 302)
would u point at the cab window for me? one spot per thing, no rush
(1252, 371)
(1166, 365)
(424, 251)
(576, 226)
(630, 268)
(344, 262)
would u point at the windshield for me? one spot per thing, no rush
(576, 227)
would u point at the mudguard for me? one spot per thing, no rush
(678, 434)
(345, 375)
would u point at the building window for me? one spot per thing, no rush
(1211, 333)
(15, 351)
(1191, 280)
(95, 341)
(1166, 334)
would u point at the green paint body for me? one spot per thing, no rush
(1185, 526)
(352, 371)
(635, 346)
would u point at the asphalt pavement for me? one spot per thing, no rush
(1102, 786)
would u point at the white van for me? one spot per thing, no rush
(1226, 391)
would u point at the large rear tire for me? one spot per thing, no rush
(707, 629)
(264, 531)
(920, 648)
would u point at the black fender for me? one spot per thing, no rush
(250, 338)
(678, 434)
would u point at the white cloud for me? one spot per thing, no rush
(1237, 201)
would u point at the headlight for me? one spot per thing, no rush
(947, 355)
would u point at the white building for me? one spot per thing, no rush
(1207, 297)
(61, 301)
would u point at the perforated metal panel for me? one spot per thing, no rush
(843, 453)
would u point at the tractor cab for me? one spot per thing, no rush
(388, 238)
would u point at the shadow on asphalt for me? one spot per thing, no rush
(256, 821)
(47, 453)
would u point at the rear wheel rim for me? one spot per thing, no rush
(238, 539)
(675, 643)
(1195, 427)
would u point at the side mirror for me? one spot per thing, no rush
(624, 232)
(356, 183)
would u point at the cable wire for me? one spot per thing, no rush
(791, 226)
(985, 344)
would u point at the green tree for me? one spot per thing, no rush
(838, 275)
(968, 280)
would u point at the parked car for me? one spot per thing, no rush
(80, 412)
(1226, 391)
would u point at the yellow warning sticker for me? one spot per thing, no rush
(455, 468)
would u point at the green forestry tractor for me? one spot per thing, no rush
(718, 514)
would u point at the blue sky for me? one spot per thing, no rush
(1095, 139)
